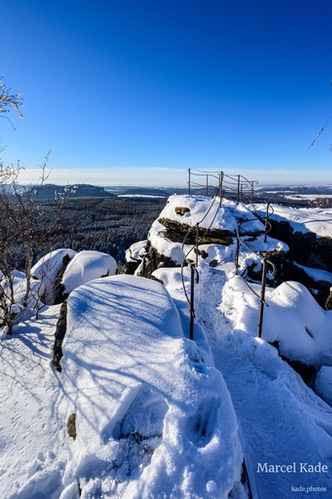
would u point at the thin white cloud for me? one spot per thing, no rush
(169, 176)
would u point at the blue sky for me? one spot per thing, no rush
(137, 91)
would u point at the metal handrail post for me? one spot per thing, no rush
(237, 251)
(196, 242)
(221, 178)
(238, 189)
(262, 300)
(192, 298)
(266, 220)
(207, 185)
(189, 182)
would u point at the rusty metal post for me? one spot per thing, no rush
(196, 243)
(221, 178)
(189, 182)
(238, 189)
(237, 252)
(262, 300)
(266, 220)
(252, 192)
(192, 298)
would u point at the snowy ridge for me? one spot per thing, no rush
(140, 411)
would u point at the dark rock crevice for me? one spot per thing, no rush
(60, 332)
(307, 372)
(306, 249)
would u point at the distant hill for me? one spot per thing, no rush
(133, 190)
(49, 191)
(144, 191)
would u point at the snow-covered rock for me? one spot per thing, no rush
(134, 256)
(136, 251)
(292, 318)
(304, 220)
(218, 225)
(85, 267)
(153, 417)
(47, 270)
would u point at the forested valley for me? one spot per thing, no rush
(102, 224)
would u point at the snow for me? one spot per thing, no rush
(308, 196)
(158, 415)
(293, 318)
(48, 268)
(140, 196)
(87, 266)
(281, 419)
(136, 251)
(225, 218)
(30, 433)
(151, 415)
(316, 220)
(19, 282)
(207, 212)
(316, 274)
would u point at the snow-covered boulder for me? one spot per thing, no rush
(150, 415)
(85, 267)
(134, 256)
(48, 268)
(293, 319)
(217, 225)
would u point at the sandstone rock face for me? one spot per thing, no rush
(328, 304)
(176, 233)
(181, 210)
(153, 260)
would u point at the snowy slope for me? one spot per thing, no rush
(293, 318)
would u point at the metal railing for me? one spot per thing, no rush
(243, 190)
(205, 182)
(216, 183)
